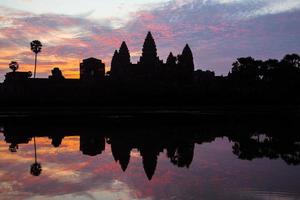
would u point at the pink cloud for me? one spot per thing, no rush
(216, 37)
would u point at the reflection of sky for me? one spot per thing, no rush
(218, 31)
(215, 173)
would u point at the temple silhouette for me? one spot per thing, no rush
(151, 82)
(150, 68)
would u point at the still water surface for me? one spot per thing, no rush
(178, 166)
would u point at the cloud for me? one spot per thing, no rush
(66, 40)
(218, 31)
(276, 6)
(243, 8)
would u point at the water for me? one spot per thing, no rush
(212, 159)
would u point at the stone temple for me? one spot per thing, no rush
(149, 67)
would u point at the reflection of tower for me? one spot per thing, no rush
(149, 155)
(171, 150)
(121, 152)
(92, 145)
(56, 140)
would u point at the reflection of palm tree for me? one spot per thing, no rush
(36, 47)
(35, 168)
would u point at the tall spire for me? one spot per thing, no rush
(187, 51)
(115, 61)
(149, 163)
(186, 65)
(149, 54)
(186, 59)
(171, 60)
(124, 54)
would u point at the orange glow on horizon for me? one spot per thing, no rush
(45, 63)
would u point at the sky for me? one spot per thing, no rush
(218, 31)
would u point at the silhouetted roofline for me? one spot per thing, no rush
(92, 58)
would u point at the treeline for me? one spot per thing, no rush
(252, 81)
(284, 72)
(270, 80)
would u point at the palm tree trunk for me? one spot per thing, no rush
(35, 156)
(35, 65)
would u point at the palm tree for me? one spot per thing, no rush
(35, 168)
(36, 47)
(14, 66)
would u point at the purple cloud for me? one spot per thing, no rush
(218, 31)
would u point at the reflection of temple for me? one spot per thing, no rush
(178, 144)
(15, 140)
(149, 155)
(121, 153)
(149, 152)
(92, 145)
(56, 140)
(150, 67)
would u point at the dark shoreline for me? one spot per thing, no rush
(126, 111)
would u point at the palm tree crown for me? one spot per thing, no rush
(36, 46)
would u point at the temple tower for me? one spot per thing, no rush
(149, 51)
(186, 64)
(120, 62)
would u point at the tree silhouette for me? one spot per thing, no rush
(35, 168)
(14, 66)
(268, 69)
(36, 47)
(292, 59)
(246, 69)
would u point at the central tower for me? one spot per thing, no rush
(149, 51)
(149, 66)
